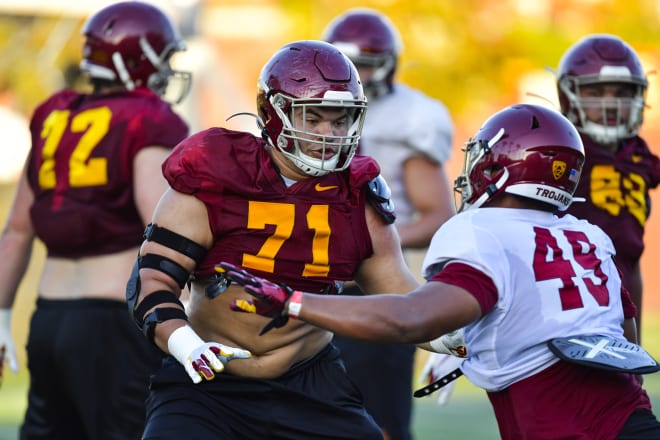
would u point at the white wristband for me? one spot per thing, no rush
(438, 345)
(452, 343)
(295, 304)
(182, 342)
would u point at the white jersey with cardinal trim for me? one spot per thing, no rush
(555, 277)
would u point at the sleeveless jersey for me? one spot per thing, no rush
(555, 277)
(311, 235)
(81, 168)
(403, 124)
(616, 188)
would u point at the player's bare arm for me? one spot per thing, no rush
(426, 313)
(422, 315)
(16, 239)
(385, 270)
(192, 225)
(427, 188)
(149, 182)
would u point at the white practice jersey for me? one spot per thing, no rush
(555, 277)
(400, 125)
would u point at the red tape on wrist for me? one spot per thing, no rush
(295, 304)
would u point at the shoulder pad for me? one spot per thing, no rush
(379, 197)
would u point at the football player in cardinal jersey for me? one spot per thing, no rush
(602, 87)
(88, 188)
(411, 147)
(295, 205)
(547, 321)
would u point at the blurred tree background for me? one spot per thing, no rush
(36, 52)
(477, 55)
(472, 54)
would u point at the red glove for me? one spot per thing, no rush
(272, 299)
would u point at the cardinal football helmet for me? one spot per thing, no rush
(527, 150)
(307, 74)
(131, 43)
(599, 59)
(368, 38)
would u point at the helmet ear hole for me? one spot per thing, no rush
(131, 64)
(490, 171)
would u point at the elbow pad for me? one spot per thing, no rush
(147, 324)
(173, 241)
(173, 269)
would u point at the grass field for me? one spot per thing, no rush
(467, 415)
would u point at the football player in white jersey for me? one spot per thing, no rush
(546, 318)
(410, 136)
(407, 132)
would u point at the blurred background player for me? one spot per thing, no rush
(90, 183)
(602, 87)
(410, 136)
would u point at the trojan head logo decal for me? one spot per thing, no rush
(558, 169)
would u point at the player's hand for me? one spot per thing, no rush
(271, 298)
(201, 359)
(437, 366)
(7, 350)
(452, 343)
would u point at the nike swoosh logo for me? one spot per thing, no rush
(321, 188)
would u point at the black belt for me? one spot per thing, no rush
(435, 386)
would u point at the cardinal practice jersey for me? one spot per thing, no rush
(616, 188)
(400, 125)
(554, 276)
(309, 235)
(81, 168)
